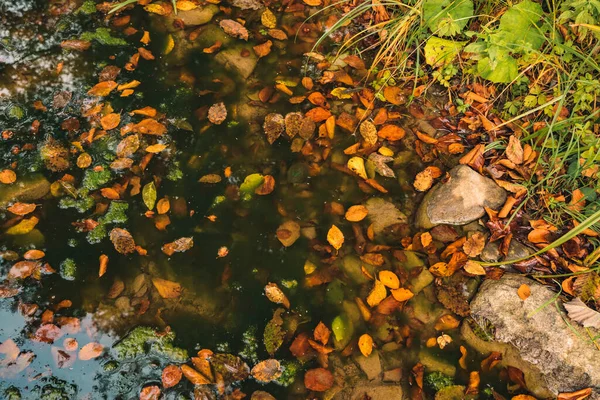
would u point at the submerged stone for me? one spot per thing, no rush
(383, 214)
(24, 190)
(535, 336)
(460, 200)
(233, 60)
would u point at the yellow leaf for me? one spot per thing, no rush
(341, 93)
(167, 289)
(335, 237)
(129, 85)
(378, 293)
(185, 5)
(23, 227)
(268, 19)
(357, 165)
(365, 344)
(170, 44)
(474, 268)
(156, 148)
(156, 8)
(402, 294)
(356, 213)
(389, 279)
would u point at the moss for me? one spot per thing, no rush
(16, 112)
(290, 371)
(88, 7)
(110, 366)
(68, 269)
(97, 234)
(436, 381)
(81, 205)
(116, 214)
(93, 180)
(144, 340)
(12, 393)
(174, 173)
(250, 351)
(103, 36)
(483, 329)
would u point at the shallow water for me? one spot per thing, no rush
(222, 304)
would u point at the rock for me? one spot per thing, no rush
(233, 60)
(460, 200)
(556, 357)
(516, 250)
(455, 392)
(24, 190)
(432, 363)
(383, 214)
(191, 18)
(367, 390)
(421, 281)
(371, 365)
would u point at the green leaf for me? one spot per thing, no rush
(440, 52)
(447, 17)
(251, 183)
(518, 26)
(503, 70)
(273, 336)
(149, 195)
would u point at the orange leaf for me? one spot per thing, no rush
(22, 208)
(171, 376)
(356, 213)
(365, 344)
(149, 126)
(335, 237)
(167, 289)
(103, 89)
(194, 376)
(389, 279)
(103, 264)
(391, 132)
(150, 393)
(322, 333)
(8, 176)
(402, 294)
(90, 350)
(524, 291)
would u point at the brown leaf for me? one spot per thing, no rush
(150, 393)
(266, 187)
(355, 62)
(233, 28)
(578, 395)
(217, 113)
(103, 89)
(23, 269)
(514, 150)
(77, 45)
(267, 371)
(263, 49)
(171, 375)
(167, 289)
(322, 333)
(474, 245)
(318, 379)
(180, 245)
(122, 240)
(288, 233)
(276, 295)
(90, 350)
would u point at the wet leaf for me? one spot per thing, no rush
(524, 291)
(167, 289)
(267, 370)
(377, 294)
(365, 345)
(195, 377)
(514, 150)
(402, 294)
(231, 367)
(7, 176)
(156, 148)
(33, 254)
(158, 8)
(23, 227)
(446, 322)
(210, 178)
(171, 375)
(318, 379)
(268, 19)
(474, 268)
(149, 195)
(150, 393)
(186, 5)
(443, 340)
(288, 233)
(163, 206)
(149, 126)
(380, 165)
(122, 240)
(217, 113)
(103, 265)
(22, 208)
(23, 269)
(389, 279)
(356, 213)
(233, 28)
(77, 45)
(103, 89)
(276, 295)
(263, 49)
(423, 180)
(579, 312)
(474, 245)
(322, 333)
(357, 165)
(273, 126)
(278, 34)
(128, 146)
(391, 132)
(110, 121)
(90, 351)
(335, 237)
(266, 187)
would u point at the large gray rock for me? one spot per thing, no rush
(233, 60)
(460, 200)
(24, 190)
(197, 16)
(533, 336)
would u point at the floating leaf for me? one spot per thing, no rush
(167, 289)
(180, 245)
(365, 345)
(377, 294)
(90, 351)
(217, 113)
(267, 371)
(402, 294)
(276, 295)
(149, 195)
(380, 165)
(103, 265)
(389, 279)
(273, 335)
(251, 183)
(171, 375)
(7, 176)
(231, 367)
(233, 28)
(122, 240)
(288, 233)
(357, 165)
(23, 227)
(23, 269)
(356, 213)
(335, 237)
(318, 379)
(103, 89)
(268, 19)
(22, 208)
(322, 333)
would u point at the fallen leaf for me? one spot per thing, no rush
(23, 269)
(377, 294)
(33, 254)
(103, 89)
(149, 126)
(22, 208)
(474, 268)
(335, 237)
(233, 28)
(263, 49)
(90, 351)
(389, 279)
(268, 19)
(514, 150)
(524, 291)
(322, 333)
(365, 344)
(357, 165)
(288, 233)
(578, 395)
(103, 265)
(77, 45)
(110, 121)
(579, 312)
(217, 113)
(149, 195)
(267, 371)
(122, 240)
(171, 375)
(402, 294)
(195, 377)
(391, 132)
(180, 245)
(276, 295)
(167, 289)
(356, 213)
(446, 322)
(474, 245)
(318, 379)
(155, 148)
(150, 393)
(7, 176)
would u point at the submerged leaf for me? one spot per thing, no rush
(167, 289)
(267, 370)
(149, 195)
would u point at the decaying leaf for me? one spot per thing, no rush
(122, 240)
(234, 28)
(365, 344)
(318, 379)
(474, 245)
(514, 150)
(167, 289)
(180, 245)
(217, 113)
(579, 312)
(90, 350)
(335, 237)
(380, 165)
(267, 370)
(171, 375)
(276, 295)
(288, 233)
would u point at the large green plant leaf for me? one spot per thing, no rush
(447, 17)
(501, 70)
(518, 26)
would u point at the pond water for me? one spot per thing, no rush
(236, 234)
